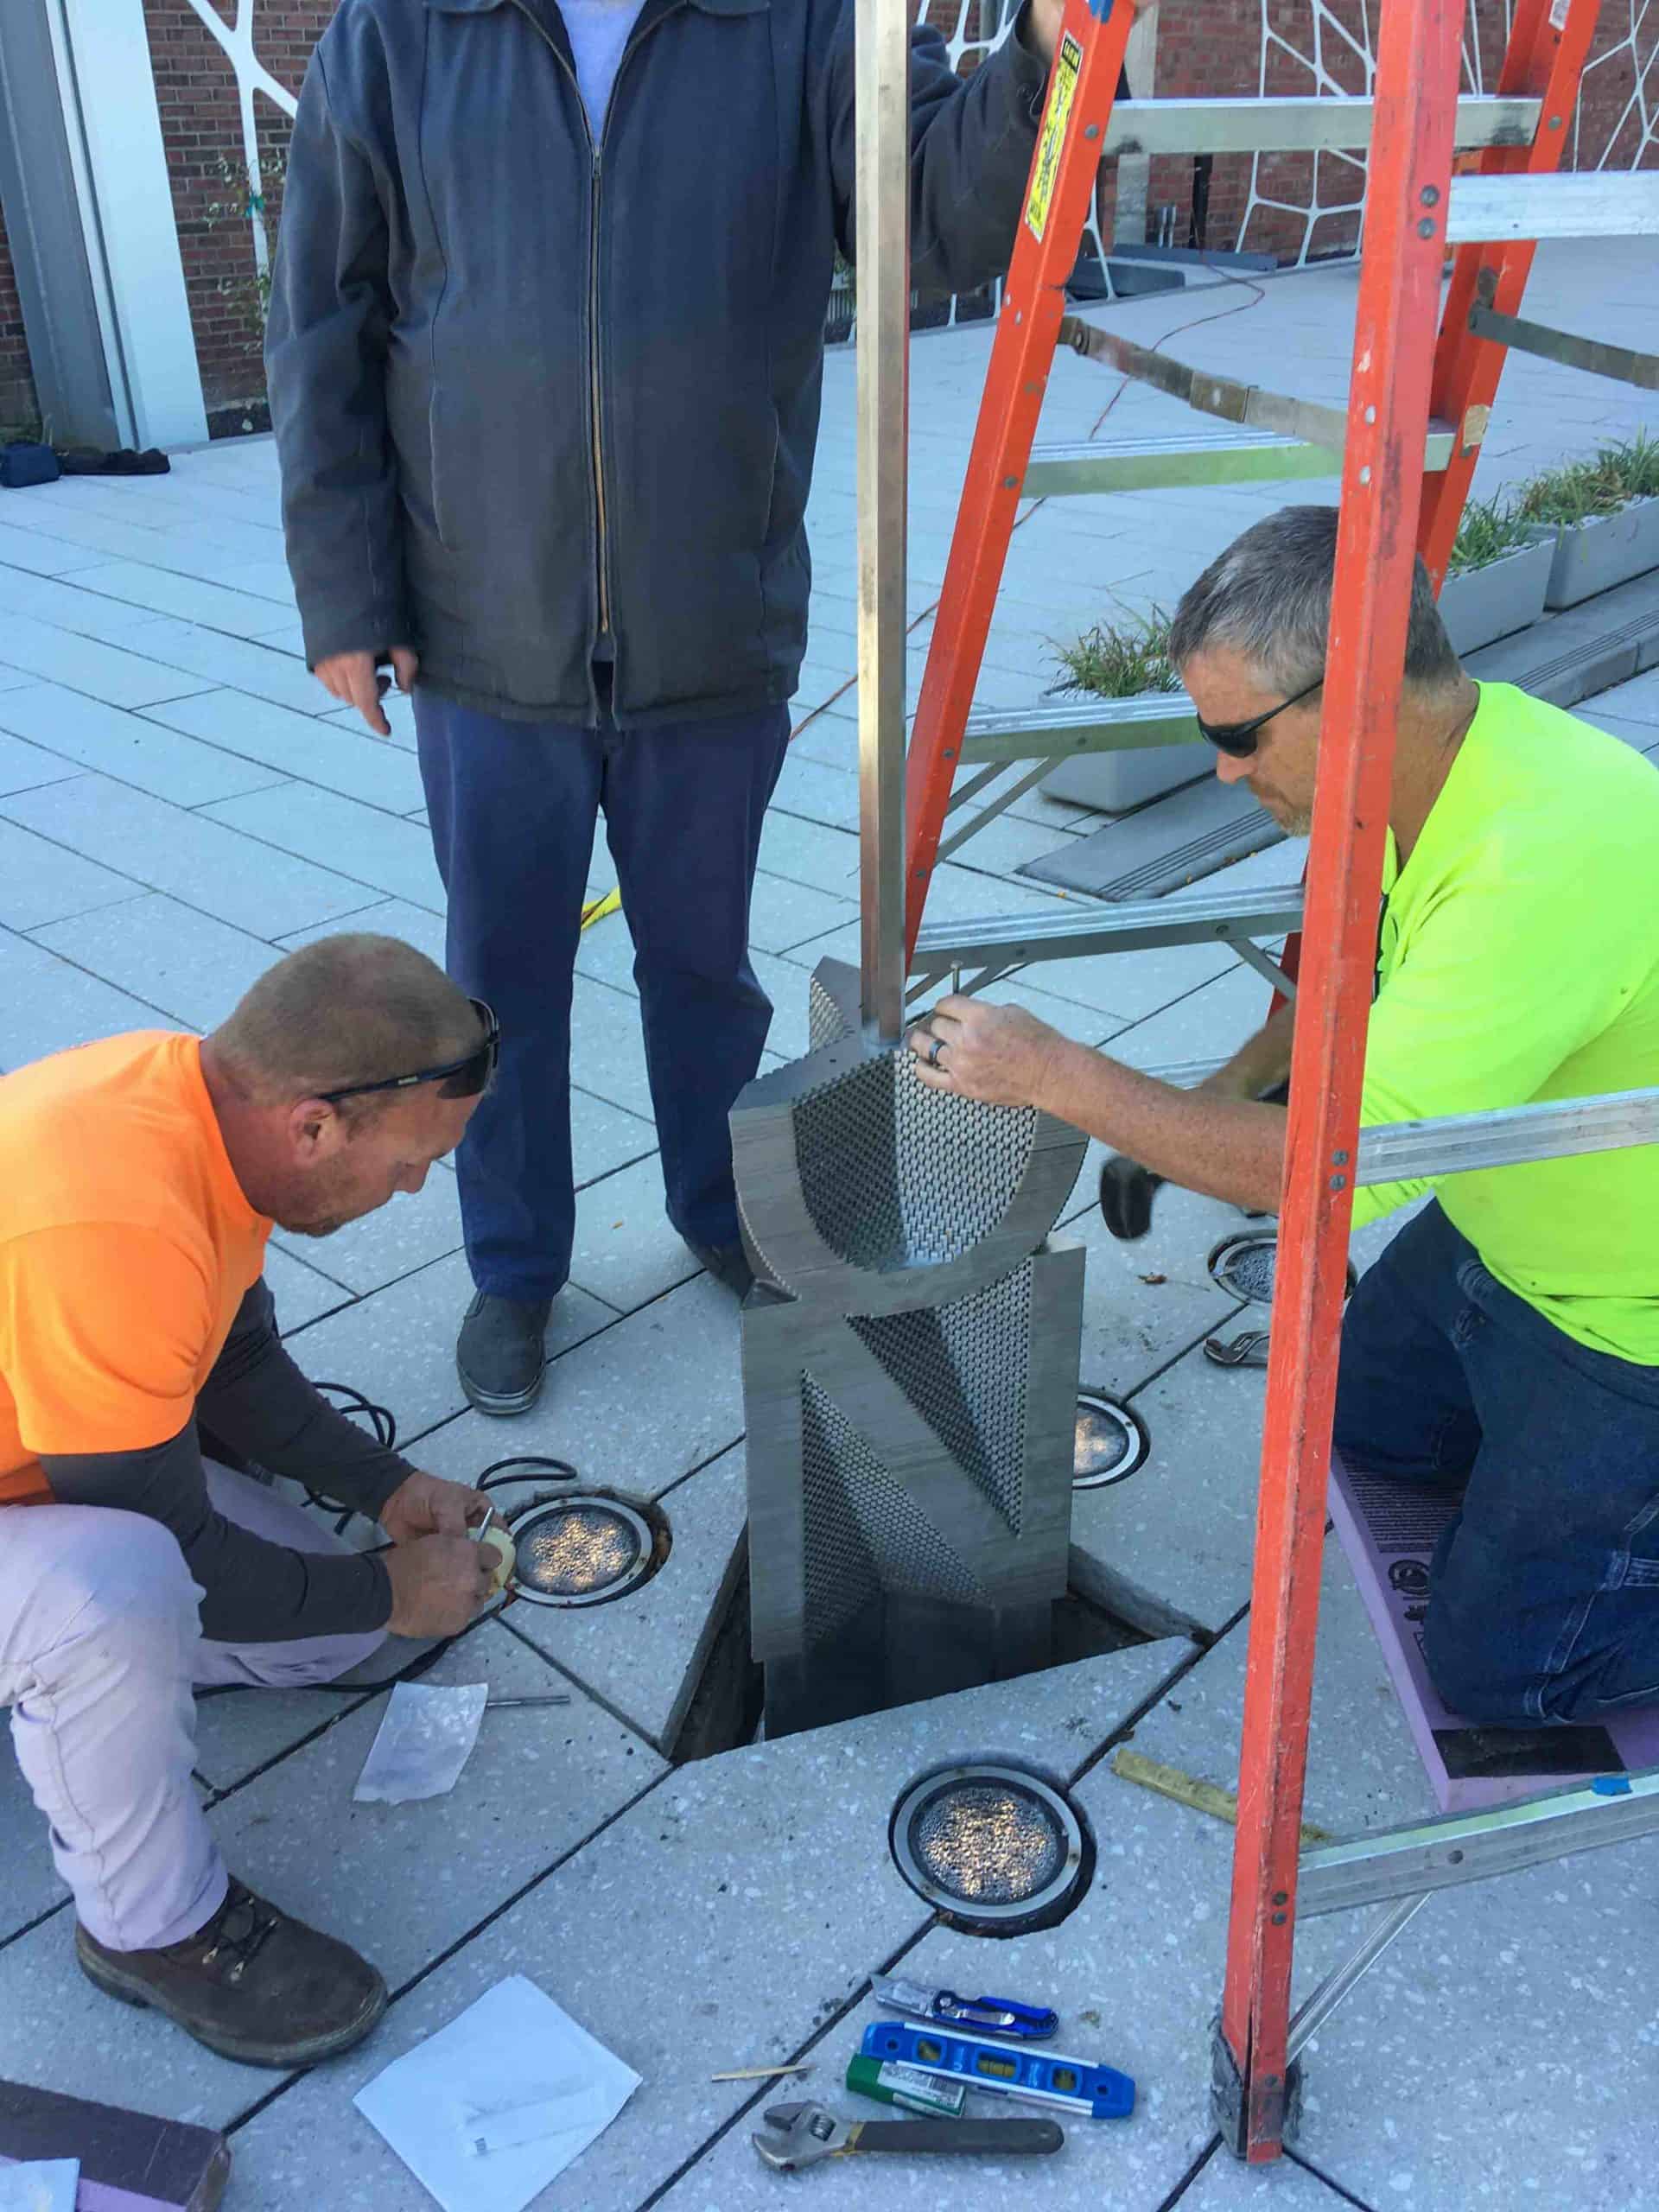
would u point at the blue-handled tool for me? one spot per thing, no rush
(1009, 2070)
(1004, 2015)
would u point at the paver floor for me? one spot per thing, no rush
(179, 802)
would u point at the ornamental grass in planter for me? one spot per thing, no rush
(1128, 659)
(1497, 575)
(1603, 514)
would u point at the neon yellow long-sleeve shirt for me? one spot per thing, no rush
(1520, 961)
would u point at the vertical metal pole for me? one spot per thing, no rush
(1381, 488)
(882, 221)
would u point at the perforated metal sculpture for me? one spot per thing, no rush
(910, 1375)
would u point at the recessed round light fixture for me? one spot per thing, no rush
(585, 1547)
(1110, 1442)
(996, 1849)
(1245, 1266)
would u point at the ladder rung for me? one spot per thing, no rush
(1585, 204)
(1442, 1854)
(1078, 726)
(1190, 457)
(1340, 125)
(1011, 940)
(1505, 1136)
(1184, 457)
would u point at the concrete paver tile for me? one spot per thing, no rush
(410, 1232)
(40, 881)
(25, 767)
(397, 1345)
(716, 1923)
(201, 862)
(130, 747)
(193, 968)
(379, 849)
(303, 1292)
(626, 1252)
(237, 663)
(349, 762)
(47, 1006)
(642, 1654)
(103, 671)
(140, 583)
(636, 1408)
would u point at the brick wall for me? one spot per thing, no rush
(1204, 50)
(16, 385)
(201, 128)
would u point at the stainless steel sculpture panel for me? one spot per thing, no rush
(910, 1372)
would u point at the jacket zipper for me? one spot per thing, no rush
(592, 386)
(596, 152)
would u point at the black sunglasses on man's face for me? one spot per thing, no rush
(462, 1078)
(1239, 738)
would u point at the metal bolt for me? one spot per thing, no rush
(951, 756)
(1093, 131)
(1009, 482)
(1281, 1896)
(1554, 123)
(1338, 1182)
(1426, 228)
(1430, 195)
(1338, 1159)
(1278, 1919)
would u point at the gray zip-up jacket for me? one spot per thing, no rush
(531, 392)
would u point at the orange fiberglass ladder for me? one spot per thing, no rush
(1422, 393)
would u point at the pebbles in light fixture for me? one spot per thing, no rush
(996, 1849)
(1110, 1442)
(587, 1547)
(1245, 1266)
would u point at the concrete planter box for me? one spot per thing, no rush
(1114, 780)
(1607, 549)
(1480, 606)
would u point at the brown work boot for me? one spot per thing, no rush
(252, 1985)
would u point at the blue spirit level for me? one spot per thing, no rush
(1009, 2070)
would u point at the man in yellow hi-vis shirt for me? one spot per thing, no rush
(1507, 1343)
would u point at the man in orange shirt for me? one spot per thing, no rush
(139, 1180)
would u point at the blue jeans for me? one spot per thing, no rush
(512, 807)
(1543, 1601)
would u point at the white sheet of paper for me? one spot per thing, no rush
(507, 2129)
(517, 2061)
(40, 2185)
(425, 1737)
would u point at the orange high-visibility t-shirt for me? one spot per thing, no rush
(126, 1247)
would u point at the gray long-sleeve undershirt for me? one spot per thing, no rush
(258, 1402)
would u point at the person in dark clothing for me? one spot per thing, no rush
(544, 356)
(140, 1179)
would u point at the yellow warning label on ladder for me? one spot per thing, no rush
(1062, 91)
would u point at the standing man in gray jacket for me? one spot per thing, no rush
(546, 352)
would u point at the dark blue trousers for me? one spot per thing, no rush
(1543, 1602)
(512, 807)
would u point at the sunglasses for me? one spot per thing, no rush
(462, 1078)
(1239, 738)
